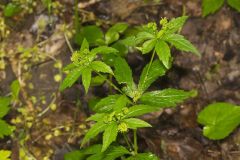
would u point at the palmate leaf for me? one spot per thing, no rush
(211, 6)
(71, 78)
(166, 98)
(109, 135)
(139, 110)
(163, 52)
(149, 75)
(94, 131)
(86, 78)
(219, 120)
(134, 123)
(181, 43)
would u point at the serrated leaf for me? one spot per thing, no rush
(114, 152)
(84, 45)
(166, 98)
(211, 6)
(113, 33)
(96, 117)
(139, 110)
(106, 104)
(164, 54)
(234, 4)
(4, 105)
(123, 72)
(92, 34)
(135, 123)
(5, 155)
(6, 129)
(149, 75)
(181, 43)
(121, 102)
(15, 89)
(98, 156)
(86, 78)
(143, 156)
(143, 36)
(70, 66)
(175, 24)
(100, 66)
(147, 46)
(71, 78)
(109, 135)
(104, 50)
(219, 120)
(94, 131)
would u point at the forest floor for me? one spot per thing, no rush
(175, 134)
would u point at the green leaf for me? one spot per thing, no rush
(143, 156)
(112, 34)
(94, 131)
(84, 45)
(97, 117)
(106, 104)
(114, 152)
(143, 36)
(135, 123)
(71, 78)
(147, 46)
(166, 98)
(100, 66)
(149, 75)
(93, 149)
(211, 6)
(164, 53)
(11, 9)
(109, 135)
(121, 102)
(175, 24)
(123, 72)
(104, 50)
(92, 34)
(139, 110)
(15, 89)
(6, 129)
(75, 155)
(98, 156)
(86, 78)
(219, 120)
(70, 66)
(98, 80)
(234, 4)
(181, 43)
(5, 155)
(4, 106)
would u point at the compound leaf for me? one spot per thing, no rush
(166, 98)
(219, 120)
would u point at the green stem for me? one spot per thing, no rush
(135, 141)
(127, 141)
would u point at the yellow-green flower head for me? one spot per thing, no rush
(76, 57)
(163, 21)
(125, 110)
(122, 127)
(152, 25)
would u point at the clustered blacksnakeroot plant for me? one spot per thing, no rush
(116, 115)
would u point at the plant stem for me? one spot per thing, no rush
(135, 141)
(127, 141)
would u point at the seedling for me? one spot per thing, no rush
(117, 115)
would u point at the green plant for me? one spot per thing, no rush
(219, 120)
(211, 6)
(116, 115)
